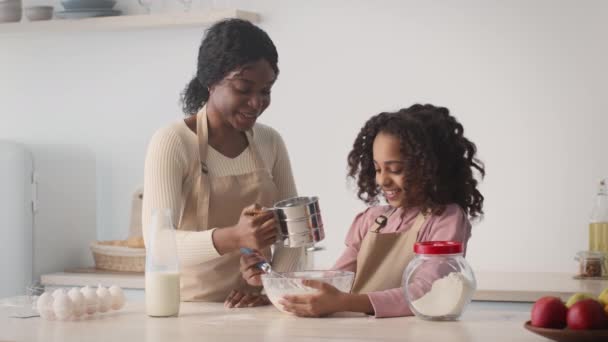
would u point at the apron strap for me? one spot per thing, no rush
(418, 223)
(202, 133)
(381, 220)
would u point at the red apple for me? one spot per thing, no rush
(587, 314)
(549, 312)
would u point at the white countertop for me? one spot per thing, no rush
(491, 286)
(198, 322)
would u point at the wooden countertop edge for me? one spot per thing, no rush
(516, 296)
(126, 281)
(93, 277)
(136, 282)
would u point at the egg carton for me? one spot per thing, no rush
(77, 303)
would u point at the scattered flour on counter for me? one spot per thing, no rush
(228, 317)
(447, 296)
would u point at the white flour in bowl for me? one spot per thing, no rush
(291, 283)
(447, 297)
(277, 294)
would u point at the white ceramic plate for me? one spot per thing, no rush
(82, 14)
(88, 4)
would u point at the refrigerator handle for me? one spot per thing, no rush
(34, 192)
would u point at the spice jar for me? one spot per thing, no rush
(438, 282)
(590, 263)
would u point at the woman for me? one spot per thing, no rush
(216, 167)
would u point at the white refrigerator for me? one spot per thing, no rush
(17, 205)
(47, 212)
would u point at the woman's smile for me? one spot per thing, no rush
(246, 119)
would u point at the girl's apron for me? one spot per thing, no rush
(218, 202)
(383, 257)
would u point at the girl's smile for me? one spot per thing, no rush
(392, 195)
(388, 161)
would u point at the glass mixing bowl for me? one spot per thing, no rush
(278, 285)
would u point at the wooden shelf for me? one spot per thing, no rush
(129, 22)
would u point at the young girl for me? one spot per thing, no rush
(419, 160)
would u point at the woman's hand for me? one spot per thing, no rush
(325, 302)
(239, 299)
(250, 272)
(256, 229)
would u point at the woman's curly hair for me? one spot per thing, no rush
(227, 45)
(439, 161)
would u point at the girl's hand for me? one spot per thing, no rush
(327, 301)
(250, 272)
(238, 299)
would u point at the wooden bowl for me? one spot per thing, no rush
(569, 335)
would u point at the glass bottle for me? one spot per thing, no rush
(162, 272)
(598, 222)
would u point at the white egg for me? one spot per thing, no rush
(58, 292)
(62, 306)
(78, 302)
(44, 305)
(90, 299)
(105, 298)
(118, 297)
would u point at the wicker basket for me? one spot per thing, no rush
(119, 258)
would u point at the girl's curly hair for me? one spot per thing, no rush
(439, 160)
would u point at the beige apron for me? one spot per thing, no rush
(219, 202)
(383, 257)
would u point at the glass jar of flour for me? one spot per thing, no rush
(438, 282)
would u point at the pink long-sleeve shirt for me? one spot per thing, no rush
(453, 225)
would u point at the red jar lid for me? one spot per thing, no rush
(438, 247)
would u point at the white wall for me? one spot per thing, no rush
(526, 78)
